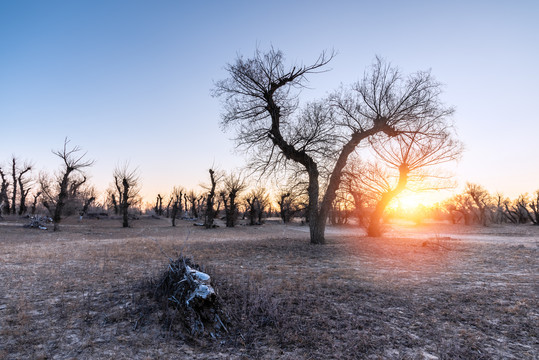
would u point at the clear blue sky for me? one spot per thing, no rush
(131, 80)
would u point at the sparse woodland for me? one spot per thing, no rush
(325, 176)
(256, 288)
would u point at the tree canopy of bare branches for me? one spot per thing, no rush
(261, 96)
(233, 185)
(126, 183)
(56, 192)
(408, 159)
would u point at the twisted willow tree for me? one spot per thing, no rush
(261, 99)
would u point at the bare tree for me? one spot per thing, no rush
(24, 188)
(233, 185)
(534, 204)
(257, 201)
(460, 207)
(408, 160)
(360, 200)
(289, 204)
(260, 98)
(211, 212)
(176, 200)
(87, 197)
(191, 197)
(112, 200)
(14, 190)
(20, 185)
(4, 198)
(34, 202)
(126, 182)
(57, 192)
(159, 205)
(481, 199)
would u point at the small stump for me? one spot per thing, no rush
(190, 293)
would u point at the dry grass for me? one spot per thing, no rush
(86, 292)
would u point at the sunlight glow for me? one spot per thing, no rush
(409, 201)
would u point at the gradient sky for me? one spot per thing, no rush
(130, 80)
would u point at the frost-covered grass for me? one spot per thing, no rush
(426, 292)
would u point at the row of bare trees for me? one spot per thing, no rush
(226, 193)
(475, 205)
(15, 187)
(67, 192)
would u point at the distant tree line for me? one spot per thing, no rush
(359, 200)
(475, 205)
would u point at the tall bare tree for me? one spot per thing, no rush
(211, 211)
(176, 200)
(408, 160)
(260, 98)
(14, 184)
(233, 185)
(159, 205)
(4, 198)
(19, 184)
(56, 192)
(534, 204)
(34, 202)
(289, 204)
(191, 198)
(127, 185)
(24, 186)
(257, 202)
(481, 199)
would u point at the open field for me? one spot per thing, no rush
(430, 292)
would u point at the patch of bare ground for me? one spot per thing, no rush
(86, 292)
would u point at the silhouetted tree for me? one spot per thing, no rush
(20, 185)
(360, 200)
(159, 205)
(176, 199)
(57, 192)
(410, 158)
(211, 212)
(233, 186)
(24, 189)
(260, 99)
(112, 200)
(34, 203)
(4, 198)
(481, 199)
(126, 182)
(534, 204)
(257, 200)
(288, 205)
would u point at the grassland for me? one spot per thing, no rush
(419, 293)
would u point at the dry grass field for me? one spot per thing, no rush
(86, 292)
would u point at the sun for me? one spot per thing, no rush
(408, 201)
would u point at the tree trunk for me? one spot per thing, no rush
(125, 203)
(14, 195)
(210, 211)
(317, 221)
(336, 177)
(375, 229)
(174, 213)
(62, 197)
